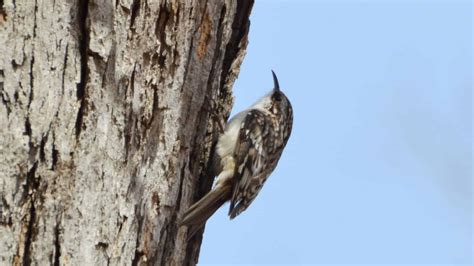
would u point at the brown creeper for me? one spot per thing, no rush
(247, 153)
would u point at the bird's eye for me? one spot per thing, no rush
(277, 97)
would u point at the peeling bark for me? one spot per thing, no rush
(108, 114)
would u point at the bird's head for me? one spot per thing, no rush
(275, 102)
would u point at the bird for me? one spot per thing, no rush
(246, 154)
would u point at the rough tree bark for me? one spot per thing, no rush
(108, 114)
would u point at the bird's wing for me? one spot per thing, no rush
(253, 165)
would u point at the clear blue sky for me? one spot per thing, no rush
(379, 166)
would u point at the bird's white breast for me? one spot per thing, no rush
(228, 140)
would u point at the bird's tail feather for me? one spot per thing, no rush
(200, 211)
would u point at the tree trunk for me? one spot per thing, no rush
(108, 113)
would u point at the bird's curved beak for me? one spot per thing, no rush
(275, 82)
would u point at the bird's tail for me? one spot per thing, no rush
(200, 211)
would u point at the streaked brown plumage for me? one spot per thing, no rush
(247, 153)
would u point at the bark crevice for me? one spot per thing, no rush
(42, 154)
(31, 184)
(29, 235)
(63, 75)
(160, 32)
(138, 254)
(57, 245)
(5, 99)
(32, 62)
(240, 29)
(54, 155)
(83, 10)
(3, 13)
(135, 9)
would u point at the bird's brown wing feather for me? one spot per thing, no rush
(252, 163)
